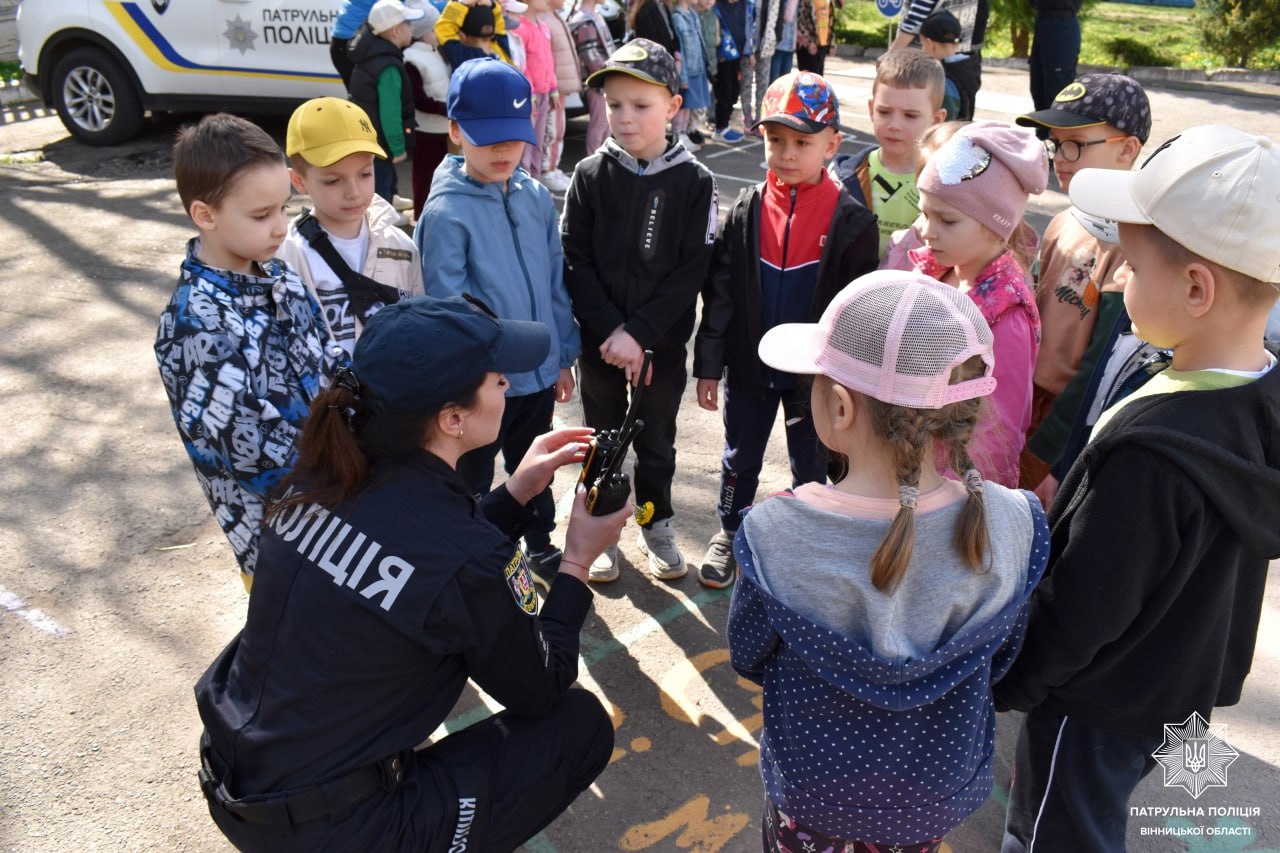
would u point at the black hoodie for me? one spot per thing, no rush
(1162, 533)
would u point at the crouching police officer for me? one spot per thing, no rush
(382, 586)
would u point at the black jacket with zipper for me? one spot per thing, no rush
(637, 241)
(732, 314)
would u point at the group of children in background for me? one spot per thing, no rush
(396, 61)
(940, 384)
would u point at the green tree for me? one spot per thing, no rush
(1019, 17)
(1237, 29)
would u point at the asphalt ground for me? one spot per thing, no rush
(118, 588)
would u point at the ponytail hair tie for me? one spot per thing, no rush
(908, 496)
(973, 481)
(345, 378)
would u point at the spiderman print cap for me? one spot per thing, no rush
(802, 101)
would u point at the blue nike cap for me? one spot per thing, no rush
(491, 101)
(425, 352)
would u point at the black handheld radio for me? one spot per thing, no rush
(607, 487)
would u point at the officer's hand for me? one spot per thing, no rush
(589, 535)
(547, 453)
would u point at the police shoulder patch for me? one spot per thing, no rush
(520, 581)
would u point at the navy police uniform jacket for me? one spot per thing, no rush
(365, 623)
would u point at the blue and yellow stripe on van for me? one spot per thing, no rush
(158, 49)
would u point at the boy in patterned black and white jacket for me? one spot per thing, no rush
(241, 345)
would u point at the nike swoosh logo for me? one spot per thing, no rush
(520, 103)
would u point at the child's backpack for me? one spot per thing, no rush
(587, 41)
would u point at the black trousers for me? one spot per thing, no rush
(338, 56)
(727, 87)
(605, 396)
(1071, 785)
(1055, 49)
(494, 785)
(525, 417)
(812, 62)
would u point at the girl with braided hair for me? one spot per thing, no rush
(878, 611)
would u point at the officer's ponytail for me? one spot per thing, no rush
(345, 434)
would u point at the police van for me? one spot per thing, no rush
(104, 63)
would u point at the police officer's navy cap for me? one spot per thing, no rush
(426, 352)
(491, 101)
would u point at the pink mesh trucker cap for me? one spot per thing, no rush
(895, 336)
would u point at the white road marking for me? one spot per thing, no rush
(12, 603)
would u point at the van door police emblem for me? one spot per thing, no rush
(520, 582)
(160, 6)
(241, 35)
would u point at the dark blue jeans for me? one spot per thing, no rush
(384, 178)
(748, 420)
(1071, 785)
(525, 418)
(780, 64)
(1055, 47)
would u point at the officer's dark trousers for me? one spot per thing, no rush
(605, 398)
(748, 420)
(529, 771)
(525, 417)
(1055, 49)
(488, 789)
(1071, 786)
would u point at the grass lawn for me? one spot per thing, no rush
(1115, 34)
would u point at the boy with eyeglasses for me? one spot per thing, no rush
(1100, 121)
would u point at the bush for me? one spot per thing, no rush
(1127, 52)
(1237, 30)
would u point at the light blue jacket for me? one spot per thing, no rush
(502, 248)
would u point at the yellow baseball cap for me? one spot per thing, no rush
(324, 130)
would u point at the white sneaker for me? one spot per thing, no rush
(556, 181)
(659, 542)
(604, 568)
(689, 144)
(399, 202)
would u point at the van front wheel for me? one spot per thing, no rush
(95, 98)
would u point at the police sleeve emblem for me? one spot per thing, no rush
(520, 582)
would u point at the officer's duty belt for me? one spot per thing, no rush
(332, 800)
